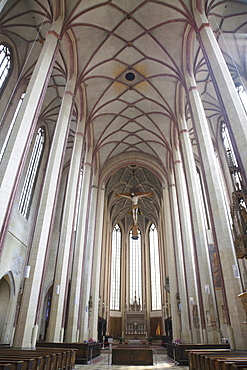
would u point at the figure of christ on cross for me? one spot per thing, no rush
(134, 197)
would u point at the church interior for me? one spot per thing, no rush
(123, 172)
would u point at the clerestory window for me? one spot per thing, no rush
(243, 96)
(6, 140)
(5, 65)
(231, 158)
(32, 173)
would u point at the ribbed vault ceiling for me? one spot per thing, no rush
(128, 60)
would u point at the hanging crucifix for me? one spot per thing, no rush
(134, 197)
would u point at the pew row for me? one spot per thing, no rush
(85, 351)
(39, 359)
(178, 352)
(216, 360)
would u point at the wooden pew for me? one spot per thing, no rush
(194, 356)
(228, 365)
(85, 351)
(14, 365)
(48, 358)
(214, 360)
(28, 362)
(237, 364)
(69, 358)
(179, 352)
(5, 366)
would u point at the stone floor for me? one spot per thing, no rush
(161, 362)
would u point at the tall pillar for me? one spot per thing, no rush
(222, 81)
(202, 260)
(87, 267)
(55, 329)
(96, 273)
(26, 330)
(20, 140)
(234, 311)
(73, 323)
(188, 247)
(171, 263)
(182, 294)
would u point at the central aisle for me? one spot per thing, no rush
(161, 361)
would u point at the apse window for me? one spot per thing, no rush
(135, 266)
(115, 268)
(5, 65)
(154, 268)
(32, 174)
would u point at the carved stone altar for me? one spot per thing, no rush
(135, 323)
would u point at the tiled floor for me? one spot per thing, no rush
(161, 362)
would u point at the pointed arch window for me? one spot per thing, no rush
(32, 173)
(231, 158)
(135, 269)
(154, 269)
(115, 268)
(202, 198)
(5, 65)
(243, 95)
(6, 140)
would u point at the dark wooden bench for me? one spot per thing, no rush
(214, 360)
(179, 352)
(5, 366)
(236, 364)
(28, 362)
(13, 364)
(46, 358)
(84, 351)
(195, 359)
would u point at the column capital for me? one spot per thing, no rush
(176, 162)
(183, 131)
(204, 25)
(191, 88)
(68, 92)
(54, 33)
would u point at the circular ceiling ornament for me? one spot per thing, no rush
(130, 76)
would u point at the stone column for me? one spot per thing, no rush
(18, 146)
(55, 329)
(171, 263)
(96, 273)
(221, 227)
(87, 266)
(182, 294)
(223, 83)
(72, 332)
(29, 310)
(188, 244)
(202, 261)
